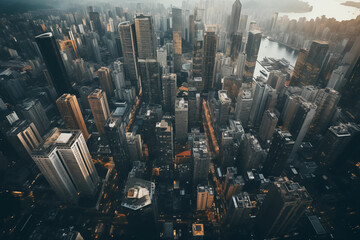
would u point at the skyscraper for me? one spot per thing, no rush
(243, 106)
(134, 143)
(129, 49)
(33, 111)
(267, 126)
(194, 106)
(350, 99)
(273, 22)
(326, 101)
(280, 150)
(198, 54)
(149, 72)
(181, 120)
(54, 63)
(252, 50)
(177, 32)
(282, 208)
(105, 81)
(259, 103)
(235, 17)
(225, 105)
(99, 108)
(299, 117)
(169, 89)
(65, 161)
(164, 143)
(200, 156)
(118, 76)
(332, 145)
(240, 212)
(95, 19)
(24, 137)
(277, 80)
(236, 44)
(115, 133)
(209, 51)
(145, 37)
(252, 154)
(205, 197)
(309, 63)
(71, 114)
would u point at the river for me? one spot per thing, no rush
(275, 50)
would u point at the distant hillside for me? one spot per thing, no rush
(351, 4)
(296, 6)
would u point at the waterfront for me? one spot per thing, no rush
(276, 50)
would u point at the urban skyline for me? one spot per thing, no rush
(208, 119)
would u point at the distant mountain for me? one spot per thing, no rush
(287, 6)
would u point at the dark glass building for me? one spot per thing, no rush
(54, 63)
(279, 153)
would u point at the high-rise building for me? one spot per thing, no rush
(282, 208)
(350, 99)
(71, 114)
(332, 145)
(234, 186)
(326, 101)
(259, 103)
(240, 212)
(302, 114)
(232, 85)
(194, 106)
(279, 153)
(252, 154)
(164, 143)
(309, 93)
(235, 17)
(205, 197)
(134, 143)
(33, 111)
(209, 55)
(198, 55)
(149, 72)
(11, 86)
(24, 137)
(200, 156)
(105, 81)
(277, 80)
(118, 76)
(273, 22)
(95, 19)
(252, 50)
(177, 32)
(140, 207)
(236, 44)
(145, 37)
(99, 108)
(169, 89)
(267, 126)
(129, 49)
(309, 63)
(115, 133)
(243, 106)
(225, 104)
(65, 161)
(181, 120)
(54, 63)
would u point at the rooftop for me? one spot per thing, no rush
(198, 229)
(139, 193)
(57, 138)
